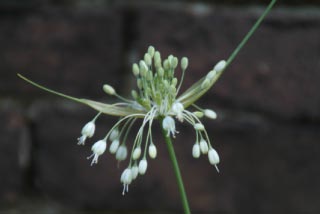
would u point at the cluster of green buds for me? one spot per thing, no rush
(156, 97)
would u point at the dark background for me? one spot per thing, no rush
(268, 104)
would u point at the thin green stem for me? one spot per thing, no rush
(249, 34)
(176, 169)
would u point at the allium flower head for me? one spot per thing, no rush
(157, 97)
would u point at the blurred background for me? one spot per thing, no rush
(268, 105)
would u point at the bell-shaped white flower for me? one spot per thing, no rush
(86, 132)
(169, 125)
(134, 171)
(122, 153)
(177, 109)
(196, 150)
(126, 179)
(114, 146)
(114, 134)
(204, 146)
(152, 151)
(143, 165)
(198, 126)
(210, 114)
(97, 149)
(213, 157)
(136, 153)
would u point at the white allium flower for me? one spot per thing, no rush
(87, 132)
(108, 89)
(196, 150)
(98, 149)
(210, 114)
(114, 134)
(126, 179)
(168, 124)
(136, 153)
(114, 146)
(204, 146)
(135, 172)
(152, 151)
(213, 157)
(157, 97)
(143, 165)
(122, 153)
(198, 126)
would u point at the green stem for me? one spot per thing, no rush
(249, 34)
(176, 169)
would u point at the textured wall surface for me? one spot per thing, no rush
(267, 131)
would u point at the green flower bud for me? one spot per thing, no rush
(184, 63)
(134, 94)
(220, 66)
(198, 114)
(174, 62)
(143, 68)
(160, 72)
(157, 59)
(151, 51)
(135, 69)
(108, 89)
(147, 59)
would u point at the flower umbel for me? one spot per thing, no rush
(157, 97)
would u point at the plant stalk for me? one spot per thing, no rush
(176, 169)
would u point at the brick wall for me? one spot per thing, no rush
(267, 131)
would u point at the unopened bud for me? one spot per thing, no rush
(121, 153)
(143, 68)
(136, 153)
(143, 165)
(108, 89)
(198, 114)
(220, 66)
(184, 63)
(151, 50)
(147, 59)
(196, 150)
(135, 69)
(210, 114)
(152, 151)
(198, 126)
(204, 146)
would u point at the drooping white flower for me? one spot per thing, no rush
(204, 146)
(86, 132)
(152, 151)
(213, 157)
(143, 165)
(196, 150)
(210, 114)
(122, 153)
(169, 125)
(97, 149)
(114, 146)
(126, 179)
(136, 153)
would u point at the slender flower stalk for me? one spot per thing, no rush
(157, 97)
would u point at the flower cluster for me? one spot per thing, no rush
(156, 97)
